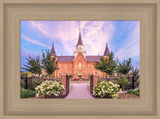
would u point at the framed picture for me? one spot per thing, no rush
(69, 49)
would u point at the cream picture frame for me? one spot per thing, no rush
(12, 12)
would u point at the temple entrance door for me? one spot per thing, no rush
(80, 74)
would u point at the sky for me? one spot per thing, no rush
(123, 38)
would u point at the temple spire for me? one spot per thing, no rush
(53, 53)
(79, 30)
(106, 52)
(79, 38)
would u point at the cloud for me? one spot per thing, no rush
(33, 41)
(95, 34)
(131, 46)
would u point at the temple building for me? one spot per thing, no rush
(79, 64)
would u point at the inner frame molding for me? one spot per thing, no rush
(14, 13)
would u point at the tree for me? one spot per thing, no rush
(135, 71)
(33, 65)
(124, 67)
(49, 63)
(107, 64)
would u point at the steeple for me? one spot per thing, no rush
(79, 38)
(80, 46)
(53, 53)
(106, 52)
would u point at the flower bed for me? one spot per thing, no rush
(106, 89)
(49, 88)
(80, 79)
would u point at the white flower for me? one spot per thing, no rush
(37, 94)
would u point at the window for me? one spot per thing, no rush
(65, 67)
(70, 66)
(76, 73)
(75, 66)
(83, 73)
(80, 65)
(60, 67)
(88, 66)
(59, 73)
(83, 66)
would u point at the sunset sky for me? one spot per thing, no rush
(123, 38)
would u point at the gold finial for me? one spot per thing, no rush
(79, 30)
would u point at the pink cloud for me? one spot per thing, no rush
(94, 38)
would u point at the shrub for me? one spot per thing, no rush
(133, 92)
(103, 88)
(138, 82)
(124, 83)
(49, 88)
(22, 83)
(27, 93)
(46, 75)
(24, 74)
(70, 76)
(32, 85)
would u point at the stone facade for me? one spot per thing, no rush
(79, 64)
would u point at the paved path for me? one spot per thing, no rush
(79, 91)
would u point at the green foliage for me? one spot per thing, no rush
(22, 83)
(124, 67)
(33, 65)
(27, 93)
(135, 71)
(33, 83)
(46, 75)
(124, 83)
(70, 76)
(49, 63)
(138, 82)
(103, 88)
(106, 65)
(132, 92)
(24, 74)
(31, 86)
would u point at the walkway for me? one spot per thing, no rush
(79, 91)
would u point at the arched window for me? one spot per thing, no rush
(88, 66)
(70, 66)
(83, 73)
(79, 65)
(65, 67)
(60, 67)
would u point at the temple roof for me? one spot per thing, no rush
(106, 52)
(53, 52)
(71, 58)
(79, 38)
(93, 58)
(65, 58)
